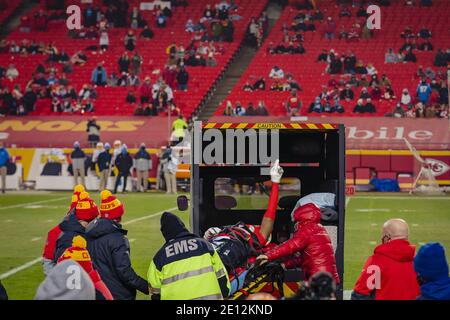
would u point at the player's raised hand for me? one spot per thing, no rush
(276, 172)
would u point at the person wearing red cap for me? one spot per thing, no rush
(110, 250)
(310, 246)
(74, 223)
(53, 235)
(79, 253)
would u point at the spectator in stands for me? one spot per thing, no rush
(250, 111)
(130, 41)
(276, 73)
(316, 106)
(124, 62)
(146, 91)
(41, 20)
(364, 93)
(294, 104)
(209, 13)
(323, 56)
(136, 63)
(425, 46)
(390, 56)
(99, 76)
(78, 58)
(93, 130)
(104, 41)
(239, 110)
(443, 94)
(429, 73)
(335, 65)
(189, 27)
(260, 84)
(406, 99)
(146, 33)
(349, 63)
(12, 73)
(359, 108)
(247, 87)
(423, 91)
(369, 107)
(329, 29)
(161, 19)
(229, 111)
(394, 258)
(431, 267)
(398, 111)
(389, 93)
(261, 110)
(347, 94)
(371, 70)
(131, 97)
(29, 100)
(409, 56)
(182, 79)
(424, 33)
(440, 60)
(426, 3)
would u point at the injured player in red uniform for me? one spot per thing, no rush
(238, 245)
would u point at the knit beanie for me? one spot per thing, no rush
(430, 262)
(111, 207)
(86, 209)
(79, 188)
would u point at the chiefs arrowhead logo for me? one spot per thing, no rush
(438, 167)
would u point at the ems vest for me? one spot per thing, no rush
(187, 268)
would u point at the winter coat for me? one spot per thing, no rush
(70, 227)
(124, 163)
(310, 246)
(110, 252)
(398, 279)
(104, 160)
(143, 160)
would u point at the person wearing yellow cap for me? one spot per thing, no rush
(110, 250)
(78, 252)
(74, 223)
(53, 235)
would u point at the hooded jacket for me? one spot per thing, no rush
(310, 246)
(186, 261)
(393, 261)
(110, 253)
(70, 227)
(432, 269)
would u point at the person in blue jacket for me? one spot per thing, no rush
(423, 91)
(99, 76)
(4, 159)
(431, 267)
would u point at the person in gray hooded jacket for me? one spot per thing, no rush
(66, 281)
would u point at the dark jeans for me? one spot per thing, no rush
(125, 177)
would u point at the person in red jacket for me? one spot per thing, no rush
(389, 273)
(309, 248)
(53, 234)
(79, 253)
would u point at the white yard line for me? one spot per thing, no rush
(19, 268)
(32, 203)
(347, 201)
(148, 217)
(33, 262)
(36, 239)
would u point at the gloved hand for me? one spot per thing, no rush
(276, 172)
(262, 259)
(211, 232)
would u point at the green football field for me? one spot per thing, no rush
(25, 219)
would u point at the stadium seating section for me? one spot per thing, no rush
(311, 75)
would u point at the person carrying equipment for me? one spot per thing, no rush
(186, 267)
